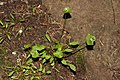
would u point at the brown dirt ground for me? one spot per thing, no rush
(99, 17)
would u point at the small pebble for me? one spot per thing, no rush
(14, 53)
(20, 31)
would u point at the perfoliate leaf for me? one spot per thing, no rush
(67, 10)
(47, 37)
(58, 54)
(64, 62)
(68, 50)
(90, 39)
(72, 67)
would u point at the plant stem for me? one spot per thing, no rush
(63, 29)
(79, 49)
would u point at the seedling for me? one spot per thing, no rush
(67, 12)
(5, 31)
(90, 41)
(33, 10)
(6, 27)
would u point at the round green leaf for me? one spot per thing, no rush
(90, 39)
(67, 10)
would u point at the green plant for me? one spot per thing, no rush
(24, 72)
(47, 56)
(5, 27)
(4, 31)
(51, 54)
(90, 39)
(33, 10)
(67, 10)
(66, 16)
